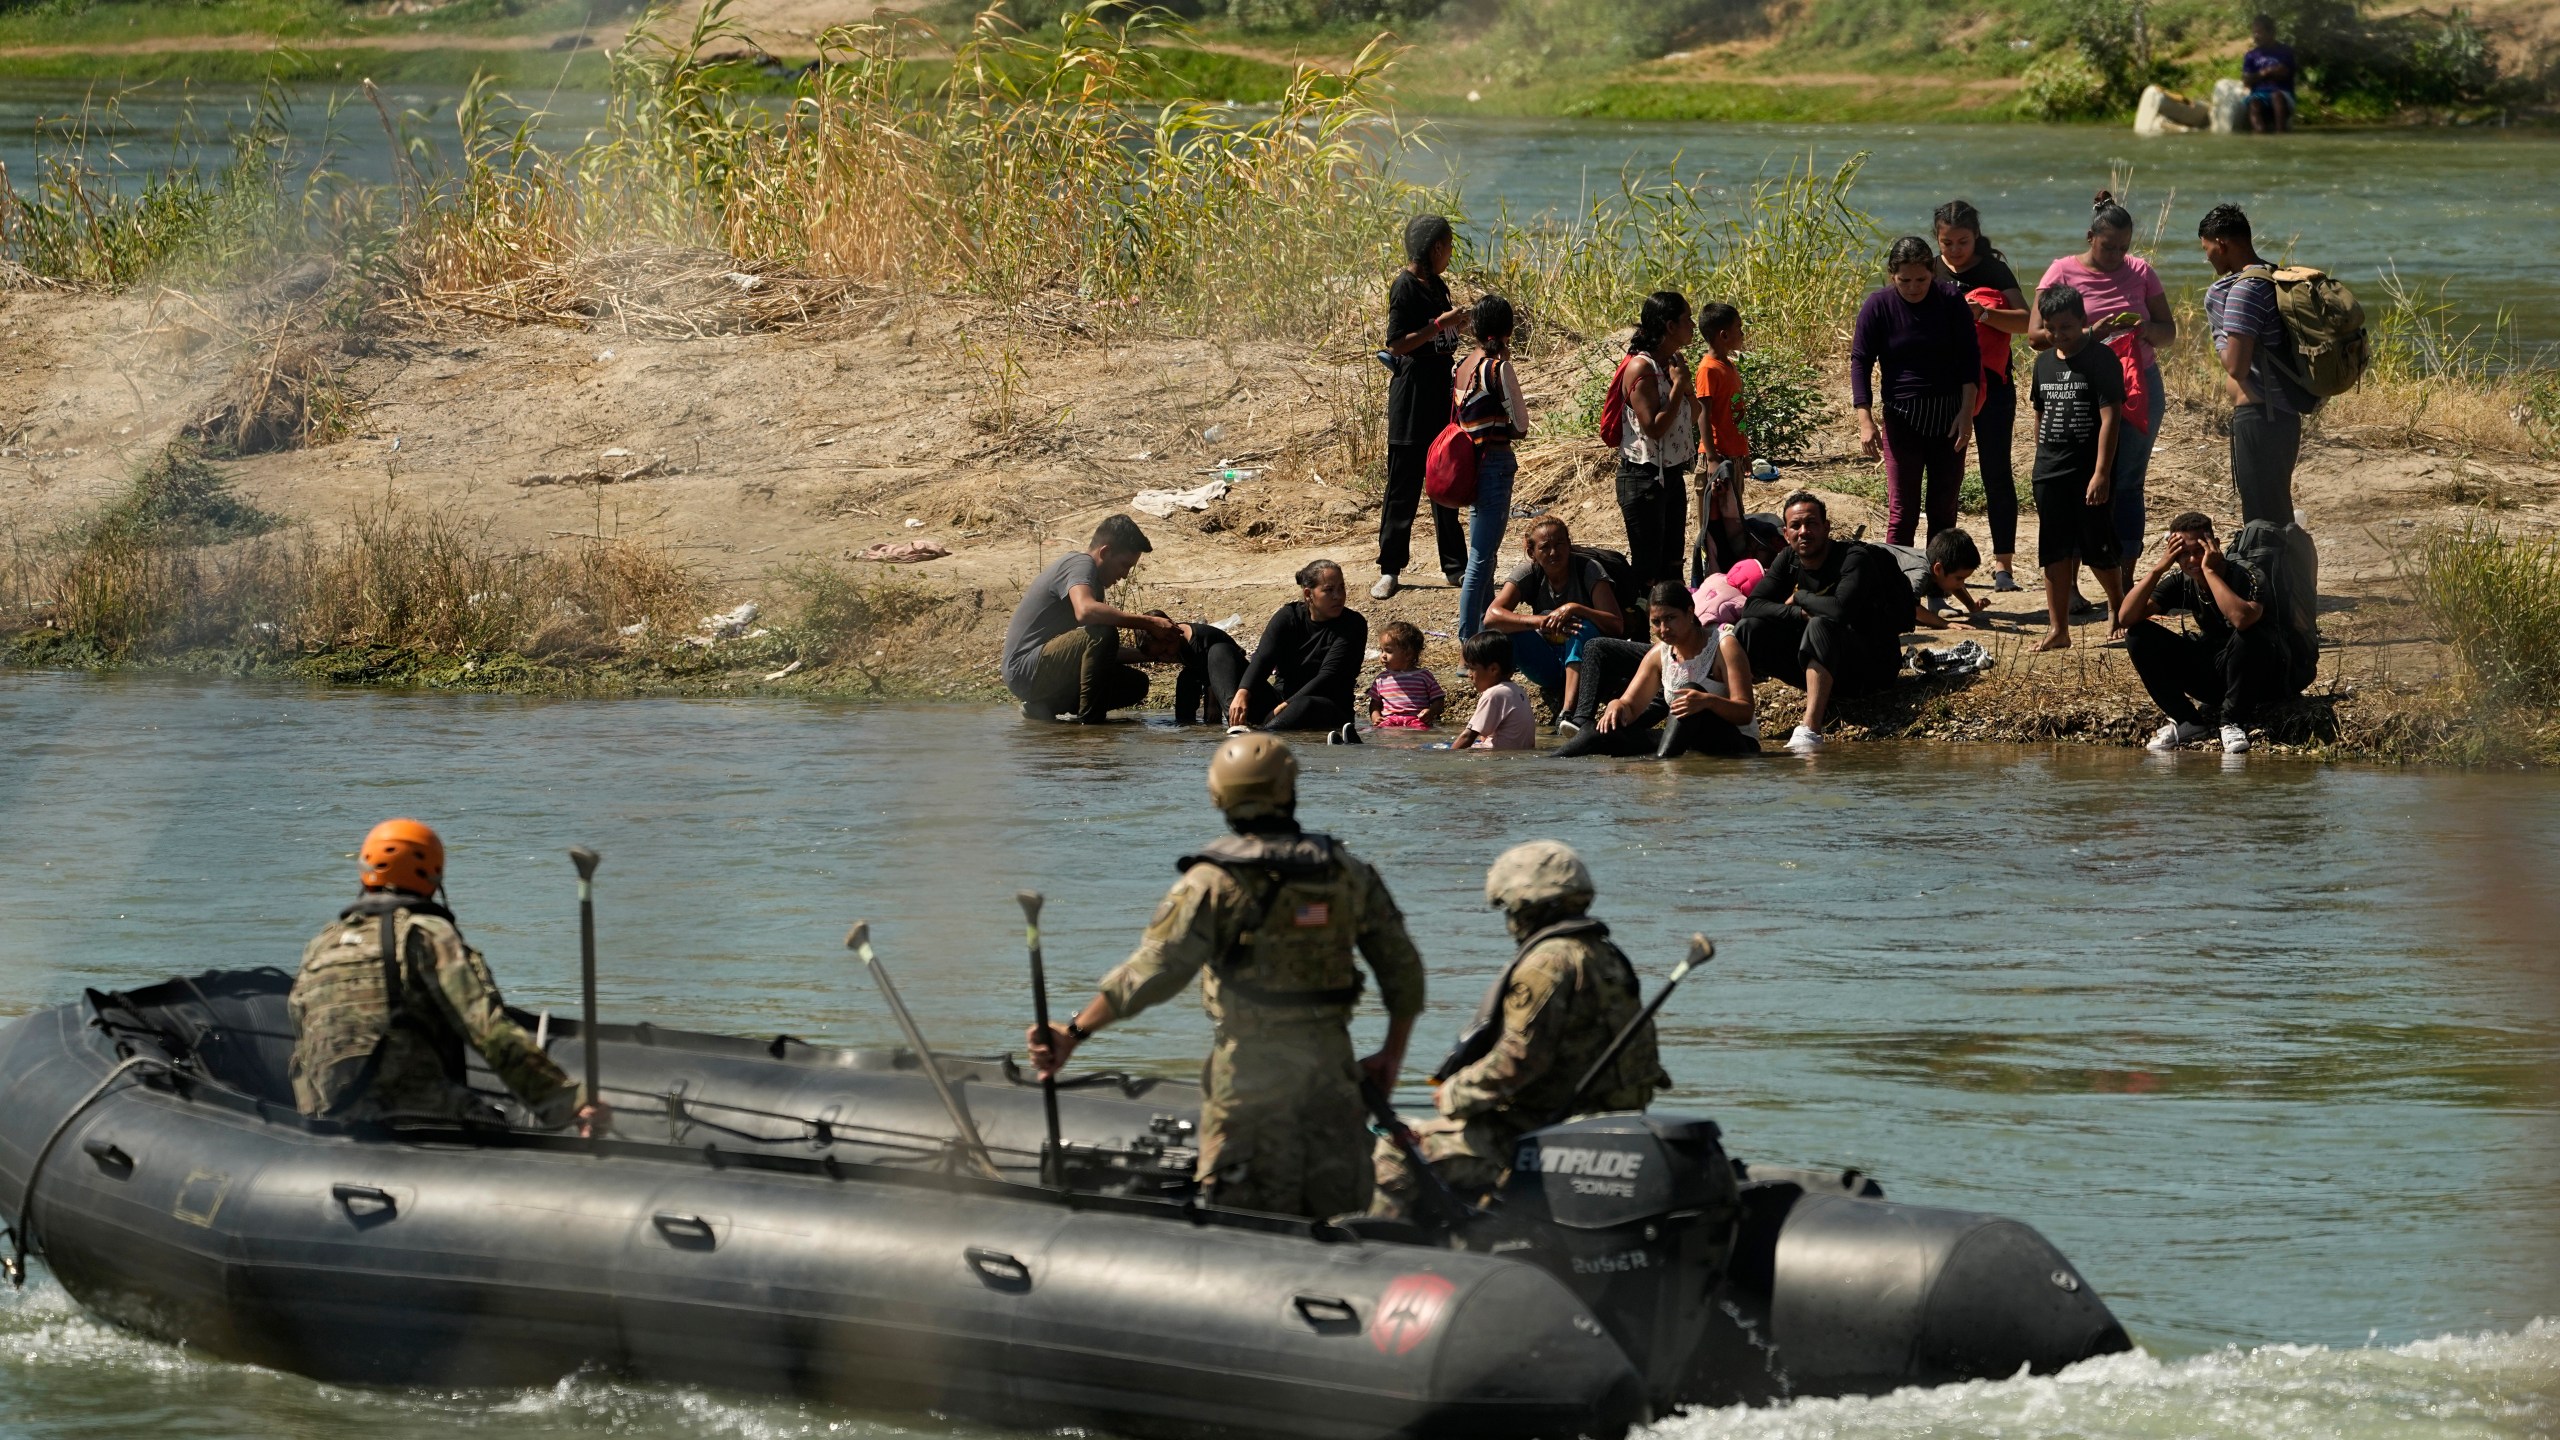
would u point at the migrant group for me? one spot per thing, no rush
(1736, 598)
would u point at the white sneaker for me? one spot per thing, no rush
(1804, 741)
(1239, 729)
(1567, 729)
(2176, 735)
(2235, 741)
(1386, 587)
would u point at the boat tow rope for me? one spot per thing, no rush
(22, 1234)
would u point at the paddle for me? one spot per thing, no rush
(858, 940)
(586, 860)
(1053, 1161)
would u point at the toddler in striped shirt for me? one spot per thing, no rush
(1404, 696)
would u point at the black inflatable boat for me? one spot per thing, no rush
(778, 1216)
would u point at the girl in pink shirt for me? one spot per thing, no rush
(2126, 304)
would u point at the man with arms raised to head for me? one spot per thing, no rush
(1062, 652)
(1547, 1019)
(389, 995)
(1272, 913)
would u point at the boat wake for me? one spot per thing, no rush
(2493, 1386)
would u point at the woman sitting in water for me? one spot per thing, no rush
(1698, 680)
(1303, 670)
(1550, 606)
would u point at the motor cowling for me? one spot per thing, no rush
(1636, 1214)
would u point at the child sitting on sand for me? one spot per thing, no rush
(1404, 696)
(1503, 719)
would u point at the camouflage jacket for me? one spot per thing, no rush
(448, 1000)
(1567, 998)
(1273, 919)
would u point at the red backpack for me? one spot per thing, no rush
(1613, 407)
(1449, 469)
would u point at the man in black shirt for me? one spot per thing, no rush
(2233, 664)
(1828, 616)
(1422, 339)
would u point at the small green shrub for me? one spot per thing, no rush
(2064, 86)
(179, 499)
(1783, 403)
(2494, 598)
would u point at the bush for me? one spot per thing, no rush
(1782, 405)
(2494, 598)
(2065, 85)
(2413, 58)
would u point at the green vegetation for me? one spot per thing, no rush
(2494, 598)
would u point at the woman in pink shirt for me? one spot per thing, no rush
(2129, 310)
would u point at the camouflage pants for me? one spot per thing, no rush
(1469, 1156)
(1282, 1128)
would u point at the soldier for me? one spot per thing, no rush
(1271, 912)
(1546, 1019)
(377, 1042)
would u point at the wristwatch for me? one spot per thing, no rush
(1076, 1032)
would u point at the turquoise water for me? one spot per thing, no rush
(2271, 1050)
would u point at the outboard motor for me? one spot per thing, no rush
(1636, 1213)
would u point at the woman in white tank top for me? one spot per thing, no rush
(1700, 701)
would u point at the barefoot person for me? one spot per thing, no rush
(2079, 396)
(1828, 616)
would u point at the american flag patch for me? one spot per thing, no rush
(1310, 916)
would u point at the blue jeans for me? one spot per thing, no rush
(1496, 468)
(1543, 664)
(2133, 463)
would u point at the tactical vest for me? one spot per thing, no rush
(1485, 1031)
(1294, 952)
(352, 998)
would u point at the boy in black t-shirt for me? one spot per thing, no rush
(2079, 395)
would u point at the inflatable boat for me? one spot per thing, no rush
(772, 1215)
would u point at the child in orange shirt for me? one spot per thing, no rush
(1728, 453)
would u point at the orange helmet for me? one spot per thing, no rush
(402, 855)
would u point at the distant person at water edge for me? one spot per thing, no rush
(1722, 540)
(389, 995)
(1303, 669)
(1404, 696)
(1422, 338)
(1659, 439)
(1503, 719)
(1690, 694)
(1547, 1018)
(2249, 334)
(2079, 395)
(1947, 564)
(1920, 335)
(1547, 608)
(1062, 652)
(1974, 268)
(1490, 409)
(2269, 70)
(1827, 616)
(1267, 915)
(1212, 668)
(2128, 311)
(2218, 677)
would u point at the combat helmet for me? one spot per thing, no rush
(1254, 774)
(1542, 876)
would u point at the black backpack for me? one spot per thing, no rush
(1622, 577)
(2288, 566)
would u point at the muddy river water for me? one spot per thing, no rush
(2271, 1050)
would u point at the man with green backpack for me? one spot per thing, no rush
(2289, 338)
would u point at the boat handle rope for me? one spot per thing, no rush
(22, 1234)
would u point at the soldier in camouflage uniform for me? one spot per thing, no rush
(378, 1040)
(1271, 913)
(1547, 1018)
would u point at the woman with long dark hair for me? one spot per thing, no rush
(1974, 267)
(1490, 409)
(1919, 336)
(2129, 310)
(1660, 440)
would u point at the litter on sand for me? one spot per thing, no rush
(1161, 503)
(905, 552)
(730, 624)
(1965, 658)
(784, 673)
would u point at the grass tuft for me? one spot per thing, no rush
(2493, 597)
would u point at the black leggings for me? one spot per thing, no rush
(1263, 709)
(1699, 734)
(1654, 502)
(1203, 691)
(2195, 684)
(1782, 646)
(1608, 666)
(1992, 429)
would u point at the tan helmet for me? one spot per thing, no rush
(1540, 873)
(1254, 774)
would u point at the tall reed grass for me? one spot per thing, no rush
(2493, 597)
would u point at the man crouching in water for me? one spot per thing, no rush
(1272, 913)
(1549, 1015)
(381, 1038)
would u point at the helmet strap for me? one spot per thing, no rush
(1279, 822)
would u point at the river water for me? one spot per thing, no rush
(2447, 212)
(2271, 1050)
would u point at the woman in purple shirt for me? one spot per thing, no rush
(1920, 335)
